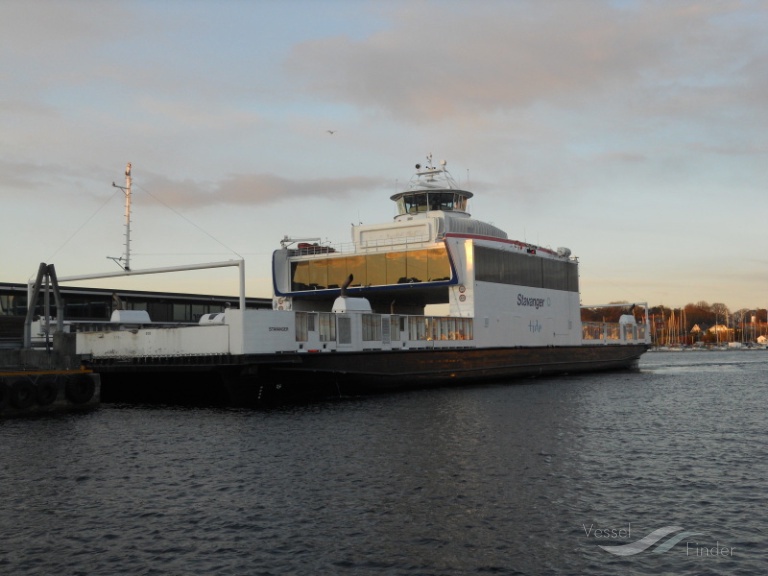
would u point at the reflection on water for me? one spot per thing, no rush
(529, 478)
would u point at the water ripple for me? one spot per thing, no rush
(530, 478)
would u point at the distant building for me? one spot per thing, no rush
(721, 332)
(91, 304)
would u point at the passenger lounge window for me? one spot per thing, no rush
(524, 270)
(371, 270)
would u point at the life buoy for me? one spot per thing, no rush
(79, 389)
(22, 393)
(5, 394)
(47, 390)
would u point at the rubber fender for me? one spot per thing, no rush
(47, 390)
(79, 389)
(22, 393)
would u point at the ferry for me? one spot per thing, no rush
(432, 297)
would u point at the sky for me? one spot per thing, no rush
(634, 133)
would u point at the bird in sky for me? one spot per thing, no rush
(331, 132)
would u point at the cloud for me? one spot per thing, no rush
(24, 108)
(23, 176)
(440, 60)
(621, 157)
(46, 43)
(38, 179)
(197, 114)
(235, 190)
(255, 190)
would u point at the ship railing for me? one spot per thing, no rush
(632, 327)
(72, 326)
(386, 329)
(379, 245)
(613, 333)
(385, 244)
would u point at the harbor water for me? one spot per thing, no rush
(545, 476)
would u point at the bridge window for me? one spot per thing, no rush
(423, 201)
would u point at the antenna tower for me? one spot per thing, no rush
(126, 257)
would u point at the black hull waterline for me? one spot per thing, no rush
(312, 375)
(391, 370)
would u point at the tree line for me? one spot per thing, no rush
(694, 322)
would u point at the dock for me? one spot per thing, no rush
(35, 382)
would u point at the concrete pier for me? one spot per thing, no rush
(39, 382)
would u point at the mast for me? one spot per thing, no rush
(126, 257)
(127, 190)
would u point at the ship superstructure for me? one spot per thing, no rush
(434, 252)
